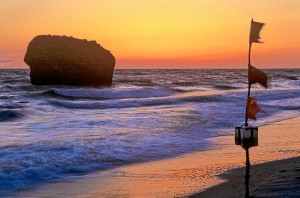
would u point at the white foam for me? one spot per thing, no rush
(116, 103)
(114, 93)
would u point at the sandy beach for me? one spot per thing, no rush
(188, 174)
(272, 179)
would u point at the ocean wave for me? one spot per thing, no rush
(34, 164)
(291, 77)
(29, 165)
(185, 83)
(10, 106)
(138, 102)
(224, 87)
(135, 81)
(283, 107)
(117, 103)
(110, 93)
(205, 99)
(284, 77)
(9, 115)
(272, 96)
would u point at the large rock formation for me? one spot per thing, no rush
(67, 60)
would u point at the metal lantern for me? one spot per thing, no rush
(246, 136)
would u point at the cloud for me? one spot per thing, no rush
(5, 61)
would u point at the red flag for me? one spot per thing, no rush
(254, 32)
(257, 76)
(252, 108)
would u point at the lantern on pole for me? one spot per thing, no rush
(246, 136)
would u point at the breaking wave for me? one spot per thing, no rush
(108, 93)
(121, 103)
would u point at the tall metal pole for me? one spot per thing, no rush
(249, 86)
(247, 175)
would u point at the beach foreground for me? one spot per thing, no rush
(187, 174)
(273, 179)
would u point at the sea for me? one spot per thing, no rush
(53, 133)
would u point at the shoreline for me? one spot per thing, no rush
(180, 176)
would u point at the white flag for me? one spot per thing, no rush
(254, 32)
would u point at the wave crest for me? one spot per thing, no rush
(118, 103)
(111, 93)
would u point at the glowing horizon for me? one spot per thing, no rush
(160, 33)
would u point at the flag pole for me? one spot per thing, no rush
(246, 135)
(247, 175)
(249, 86)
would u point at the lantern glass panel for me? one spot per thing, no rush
(246, 136)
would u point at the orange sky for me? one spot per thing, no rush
(159, 33)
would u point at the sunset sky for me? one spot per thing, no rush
(159, 33)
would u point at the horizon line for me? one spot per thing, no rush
(175, 68)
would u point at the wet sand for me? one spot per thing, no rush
(273, 179)
(187, 174)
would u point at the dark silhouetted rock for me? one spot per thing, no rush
(67, 60)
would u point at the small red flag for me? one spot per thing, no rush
(252, 108)
(257, 76)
